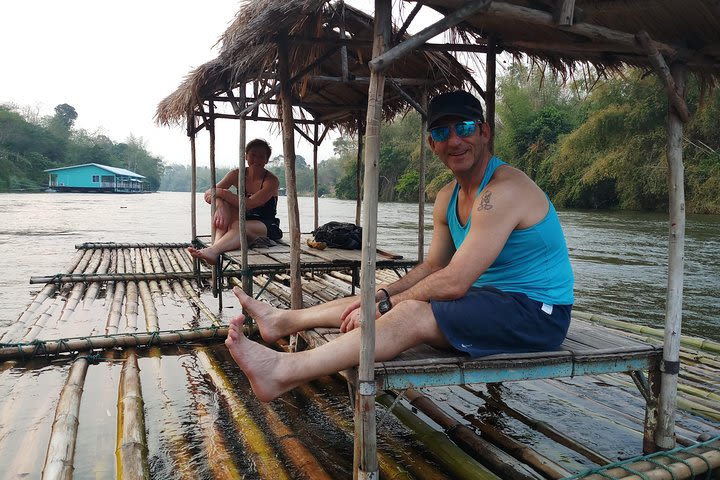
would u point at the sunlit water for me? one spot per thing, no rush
(619, 258)
(619, 261)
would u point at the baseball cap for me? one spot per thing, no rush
(454, 104)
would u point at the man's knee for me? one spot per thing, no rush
(418, 318)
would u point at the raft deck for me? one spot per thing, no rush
(157, 289)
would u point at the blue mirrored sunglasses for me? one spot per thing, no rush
(462, 129)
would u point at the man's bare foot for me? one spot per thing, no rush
(262, 366)
(269, 319)
(205, 254)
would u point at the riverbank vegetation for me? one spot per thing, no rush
(598, 146)
(29, 144)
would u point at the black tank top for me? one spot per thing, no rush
(266, 211)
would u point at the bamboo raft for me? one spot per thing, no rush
(130, 335)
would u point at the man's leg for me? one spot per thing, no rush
(275, 323)
(273, 373)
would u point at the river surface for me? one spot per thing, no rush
(193, 430)
(619, 258)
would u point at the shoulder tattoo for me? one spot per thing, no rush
(485, 201)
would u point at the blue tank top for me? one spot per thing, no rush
(534, 260)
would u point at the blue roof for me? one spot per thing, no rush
(115, 170)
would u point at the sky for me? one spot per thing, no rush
(114, 62)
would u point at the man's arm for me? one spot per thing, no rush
(439, 254)
(496, 212)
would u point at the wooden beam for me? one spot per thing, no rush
(663, 71)
(665, 434)
(400, 33)
(422, 111)
(382, 62)
(290, 177)
(566, 11)
(514, 13)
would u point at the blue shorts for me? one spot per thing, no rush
(487, 321)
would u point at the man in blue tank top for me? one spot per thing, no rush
(497, 277)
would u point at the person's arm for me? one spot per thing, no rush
(439, 255)
(230, 179)
(495, 214)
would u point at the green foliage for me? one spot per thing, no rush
(26, 149)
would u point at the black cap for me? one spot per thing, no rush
(454, 104)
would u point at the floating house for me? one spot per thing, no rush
(94, 177)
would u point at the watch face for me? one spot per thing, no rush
(384, 306)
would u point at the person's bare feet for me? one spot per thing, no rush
(205, 254)
(269, 319)
(262, 366)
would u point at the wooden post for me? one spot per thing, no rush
(316, 144)
(650, 426)
(365, 428)
(358, 201)
(490, 68)
(193, 178)
(665, 435)
(247, 284)
(213, 182)
(421, 182)
(288, 133)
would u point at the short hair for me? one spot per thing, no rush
(259, 143)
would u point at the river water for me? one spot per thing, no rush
(619, 258)
(619, 261)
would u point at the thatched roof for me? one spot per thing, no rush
(249, 53)
(601, 32)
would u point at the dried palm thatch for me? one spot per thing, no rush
(317, 31)
(600, 32)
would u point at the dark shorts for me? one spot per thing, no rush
(487, 321)
(271, 224)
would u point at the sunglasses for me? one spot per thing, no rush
(462, 129)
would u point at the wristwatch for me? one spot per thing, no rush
(385, 305)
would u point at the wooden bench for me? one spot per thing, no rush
(587, 350)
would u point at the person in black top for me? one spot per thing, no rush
(261, 188)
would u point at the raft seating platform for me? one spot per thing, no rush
(152, 294)
(587, 350)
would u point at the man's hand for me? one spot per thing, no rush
(350, 321)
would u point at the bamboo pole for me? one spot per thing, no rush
(421, 181)
(316, 144)
(151, 318)
(257, 445)
(53, 347)
(110, 287)
(177, 445)
(491, 67)
(242, 142)
(685, 340)
(388, 467)
(131, 297)
(79, 289)
(94, 287)
(288, 134)
(665, 433)
(46, 292)
(545, 429)
(147, 266)
(61, 447)
(690, 466)
(458, 463)
(132, 451)
(113, 320)
(358, 168)
(157, 267)
(521, 452)
(366, 466)
(495, 459)
(188, 292)
(190, 126)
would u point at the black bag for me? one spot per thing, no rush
(339, 235)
